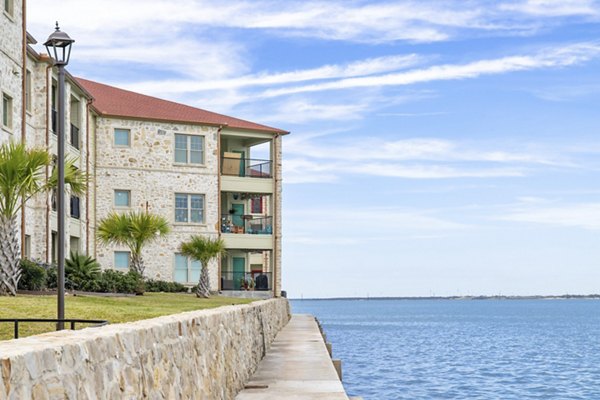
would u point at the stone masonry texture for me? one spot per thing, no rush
(206, 354)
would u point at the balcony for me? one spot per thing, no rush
(246, 174)
(246, 224)
(233, 165)
(246, 281)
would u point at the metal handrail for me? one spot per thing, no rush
(246, 167)
(16, 321)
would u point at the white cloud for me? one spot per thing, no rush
(548, 58)
(340, 225)
(324, 161)
(585, 216)
(553, 8)
(364, 67)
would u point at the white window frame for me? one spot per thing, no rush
(7, 114)
(10, 11)
(28, 91)
(189, 209)
(189, 263)
(115, 198)
(128, 137)
(115, 260)
(188, 149)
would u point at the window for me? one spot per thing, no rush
(257, 205)
(189, 208)
(75, 122)
(8, 7)
(122, 198)
(122, 137)
(28, 90)
(7, 111)
(122, 259)
(189, 149)
(27, 246)
(75, 213)
(54, 246)
(74, 244)
(54, 100)
(53, 199)
(186, 270)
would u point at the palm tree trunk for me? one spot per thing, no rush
(10, 271)
(137, 264)
(203, 289)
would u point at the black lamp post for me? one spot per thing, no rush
(58, 46)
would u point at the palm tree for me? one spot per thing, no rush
(203, 249)
(81, 269)
(22, 175)
(134, 230)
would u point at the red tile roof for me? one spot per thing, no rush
(115, 102)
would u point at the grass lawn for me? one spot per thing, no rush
(113, 309)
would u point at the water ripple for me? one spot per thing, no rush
(420, 349)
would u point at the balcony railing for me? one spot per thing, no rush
(74, 136)
(246, 167)
(232, 280)
(250, 224)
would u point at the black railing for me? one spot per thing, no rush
(74, 136)
(232, 280)
(72, 322)
(251, 224)
(246, 167)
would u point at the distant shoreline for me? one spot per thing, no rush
(499, 297)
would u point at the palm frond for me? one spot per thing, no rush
(132, 229)
(21, 175)
(203, 248)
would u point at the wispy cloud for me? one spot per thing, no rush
(567, 92)
(339, 225)
(584, 215)
(553, 8)
(326, 161)
(548, 58)
(365, 67)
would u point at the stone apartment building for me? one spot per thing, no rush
(207, 173)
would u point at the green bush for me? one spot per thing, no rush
(164, 286)
(82, 272)
(51, 276)
(112, 281)
(33, 276)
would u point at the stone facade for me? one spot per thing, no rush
(207, 354)
(146, 168)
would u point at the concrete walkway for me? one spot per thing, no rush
(297, 366)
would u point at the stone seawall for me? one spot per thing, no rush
(206, 354)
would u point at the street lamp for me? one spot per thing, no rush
(58, 46)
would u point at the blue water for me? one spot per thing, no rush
(460, 349)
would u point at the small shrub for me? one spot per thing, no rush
(33, 276)
(112, 281)
(51, 277)
(82, 272)
(164, 286)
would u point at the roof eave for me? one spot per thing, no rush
(178, 121)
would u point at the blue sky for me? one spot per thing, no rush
(437, 147)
